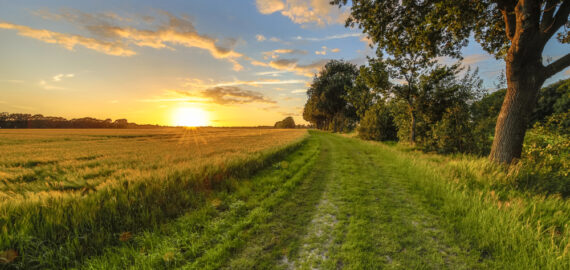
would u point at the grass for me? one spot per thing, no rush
(91, 186)
(335, 202)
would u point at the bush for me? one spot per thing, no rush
(545, 163)
(378, 124)
(453, 133)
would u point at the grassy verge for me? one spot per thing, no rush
(60, 231)
(511, 228)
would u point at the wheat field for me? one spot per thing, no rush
(77, 189)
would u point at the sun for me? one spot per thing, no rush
(190, 117)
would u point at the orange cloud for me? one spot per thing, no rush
(70, 41)
(275, 53)
(318, 12)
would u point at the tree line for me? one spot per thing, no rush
(415, 33)
(21, 120)
(445, 110)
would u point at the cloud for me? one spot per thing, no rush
(274, 54)
(198, 84)
(335, 50)
(567, 71)
(274, 39)
(178, 31)
(293, 66)
(318, 12)
(338, 36)
(260, 37)
(70, 41)
(269, 6)
(322, 52)
(271, 73)
(475, 58)
(296, 91)
(230, 95)
(45, 85)
(115, 33)
(59, 77)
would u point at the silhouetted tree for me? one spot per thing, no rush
(288, 122)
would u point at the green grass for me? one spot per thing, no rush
(343, 203)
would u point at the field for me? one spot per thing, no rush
(265, 199)
(72, 189)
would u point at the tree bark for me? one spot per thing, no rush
(524, 79)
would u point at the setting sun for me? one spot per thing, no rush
(190, 117)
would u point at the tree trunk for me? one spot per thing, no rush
(524, 79)
(413, 126)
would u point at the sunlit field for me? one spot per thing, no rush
(75, 189)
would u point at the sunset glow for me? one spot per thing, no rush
(190, 117)
(247, 63)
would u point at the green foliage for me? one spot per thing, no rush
(453, 133)
(378, 124)
(288, 122)
(545, 163)
(553, 99)
(327, 107)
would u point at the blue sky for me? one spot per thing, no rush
(241, 62)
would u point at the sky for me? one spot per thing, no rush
(229, 63)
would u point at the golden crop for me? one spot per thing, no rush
(48, 162)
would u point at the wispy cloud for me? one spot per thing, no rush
(274, 54)
(59, 77)
(322, 52)
(292, 65)
(297, 91)
(199, 84)
(229, 95)
(70, 41)
(45, 85)
(113, 34)
(272, 73)
(339, 36)
(260, 37)
(318, 12)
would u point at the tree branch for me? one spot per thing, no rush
(548, 14)
(557, 66)
(507, 9)
(560, 19)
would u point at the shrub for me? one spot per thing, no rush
(545, 163)
(378, 124)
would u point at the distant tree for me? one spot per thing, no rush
(516, 31)
(288, 122)
(326, 105)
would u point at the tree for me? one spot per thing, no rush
(515, 31)
(288, 122)
(371, 82)
(326, 106)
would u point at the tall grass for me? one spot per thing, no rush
(55, 228)
(514, 228)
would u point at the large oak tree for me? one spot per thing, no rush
(514, 30)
